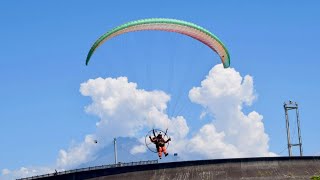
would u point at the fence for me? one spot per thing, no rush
(92, 168)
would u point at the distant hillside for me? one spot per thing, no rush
(124, 145)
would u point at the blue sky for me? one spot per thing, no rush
(44, 46)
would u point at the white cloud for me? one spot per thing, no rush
(124, 110)
(25, 172)
(208, 143)
(5, 171)
(127, 111)
(203, 114)
(223, 94)
(138, 149)
(78, 153)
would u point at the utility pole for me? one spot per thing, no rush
(115, 151)
(287, 107)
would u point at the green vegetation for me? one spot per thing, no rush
(315, 177)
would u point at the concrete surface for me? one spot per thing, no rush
(241, 168)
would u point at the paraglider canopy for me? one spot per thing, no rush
(172, 25)
(169, 25)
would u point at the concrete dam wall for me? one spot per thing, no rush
(240, 168)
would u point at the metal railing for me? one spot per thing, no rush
(92, 168)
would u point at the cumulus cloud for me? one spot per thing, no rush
(127, 111)
(223, 94)
(25, 172)
(208, 143)
(124, 110)
(231, 133)
(78, 154)
(138, 149)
